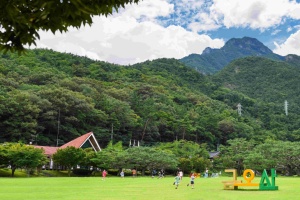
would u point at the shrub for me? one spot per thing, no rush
(82, 172)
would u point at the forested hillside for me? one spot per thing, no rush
(273, 88)
(293, 60)
(48, 97)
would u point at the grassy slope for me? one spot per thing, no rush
(94, 188)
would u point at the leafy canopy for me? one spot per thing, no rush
(18, 155)
(69, 157)
(20, 20)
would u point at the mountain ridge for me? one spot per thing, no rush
(213, 60)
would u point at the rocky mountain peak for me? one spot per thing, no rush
(213, 60)
(247, 44)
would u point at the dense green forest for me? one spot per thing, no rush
(48, 97)
(268, 84)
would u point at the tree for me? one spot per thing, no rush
(190, 155)
(69, 157)
(110, 157)
(20, 20)
(200, 164)
(72, 107)
(150, 158)
(233, 155)
(185, 149)
(257, 161)
(19, 155)
(4, 158)
(284, 156)
(288, 157)
(113, 156)
(87, 161)
(18, 119)
(185, 164)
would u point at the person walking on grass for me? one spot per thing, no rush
(206, 173)
(162, 173)
(181, 174)
(153, 173)
(104, 173)
(134, 172)
(177, 180)
(192, 180)
(122, 173)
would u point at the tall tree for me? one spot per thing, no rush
(18, 116)
(69, 157)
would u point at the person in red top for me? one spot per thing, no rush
(104, 173)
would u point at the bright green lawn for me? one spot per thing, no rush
(93, 188)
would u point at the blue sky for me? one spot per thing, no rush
(176, 28)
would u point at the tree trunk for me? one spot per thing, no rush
(145, 127)
(13, 169)
(69, 171)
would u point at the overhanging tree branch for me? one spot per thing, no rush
(20, 20)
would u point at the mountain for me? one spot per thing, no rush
(155, 101)
(265, 89)
(293, 60)
(213, 60)
(261, 78)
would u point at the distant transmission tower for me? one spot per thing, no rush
(239, 109)
(286, 104)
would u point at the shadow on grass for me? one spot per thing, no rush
(247, 190)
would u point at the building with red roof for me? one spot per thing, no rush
(87, 140)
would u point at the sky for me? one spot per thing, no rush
(155, 29)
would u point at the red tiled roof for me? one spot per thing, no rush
(78, 142)
(48, 150)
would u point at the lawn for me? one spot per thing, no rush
(93, 188)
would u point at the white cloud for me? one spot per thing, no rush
(297, 27)
(294, 12)
(290, 46)
(292, 28)
(147, 9)
(275, 32)
(255, 14)
(125, 38)
(145, 31)
(289, 29)
(206, 23)
(193, 14)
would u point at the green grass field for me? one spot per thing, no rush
(93, 188)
